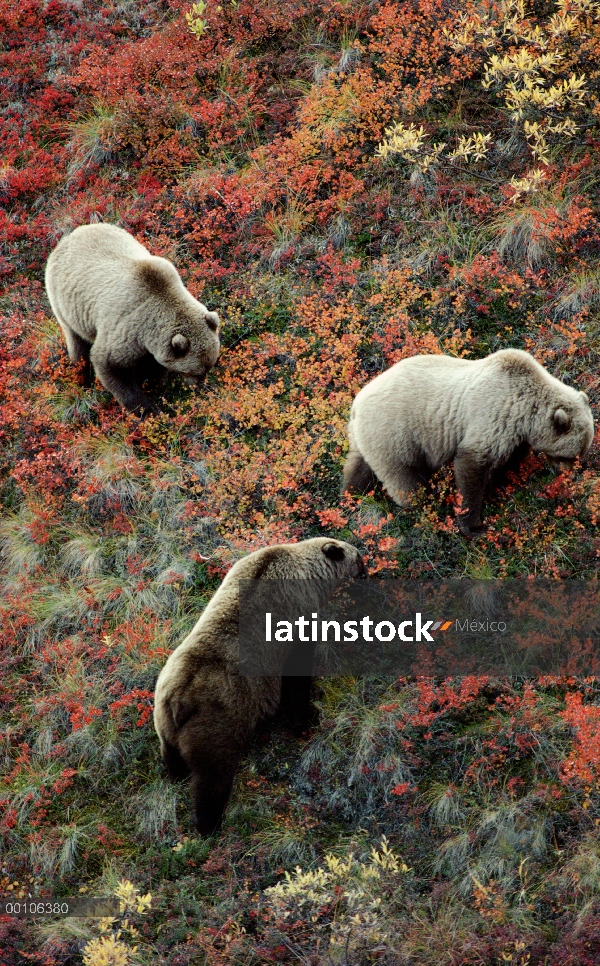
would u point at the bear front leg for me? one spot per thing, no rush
(211, 785)
(176, 766)
(78, 349)
(121, 384)
(404, 481)
(150, 371)
(296, 709)
(471, 475)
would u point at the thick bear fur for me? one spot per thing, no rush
(127, 313)
(205, 712)
(429, 410)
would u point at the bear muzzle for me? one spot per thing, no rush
(559, 463)
(197, 379)
(194, 381)
(208, 362)
(562, 462)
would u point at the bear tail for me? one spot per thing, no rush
(177, 767)
(358, 477)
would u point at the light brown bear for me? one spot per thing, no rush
(205, 711)
(428, 410)
(127, 313)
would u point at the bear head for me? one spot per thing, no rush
(183, 336)
(564, 427)
(326, 558)
(319, 558)
(193, 347)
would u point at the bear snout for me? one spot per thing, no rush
(195, 380)
(209, 356)
(589, 439)
(563, 461)
(362, 570)
(201, 366)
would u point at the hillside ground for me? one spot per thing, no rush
(348, 184)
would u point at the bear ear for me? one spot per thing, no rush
(585, 396)
(333, 551)
(562, 421)
(180, 344)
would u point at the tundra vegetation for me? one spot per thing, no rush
(347, 183)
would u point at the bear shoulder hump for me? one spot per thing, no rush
(157, 275)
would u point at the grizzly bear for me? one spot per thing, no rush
(127, 313)
(205, 711)
(428, 410)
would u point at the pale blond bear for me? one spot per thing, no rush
(127, 313)
(430, 410)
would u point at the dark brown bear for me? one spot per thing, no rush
(205, 712)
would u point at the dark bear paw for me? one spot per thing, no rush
(472, 530)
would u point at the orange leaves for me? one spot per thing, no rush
(487, 280)
(567, 336)
(333, 519)
(394, 286)
(409, 43)
(583, 763)
(435, 700)
(593, 502)
(80, 716)
(267, 443)
(139, 698)
(386, 544)
(247, 156)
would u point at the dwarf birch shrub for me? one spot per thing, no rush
(535, 69)
(348, 900)
(119, 937)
